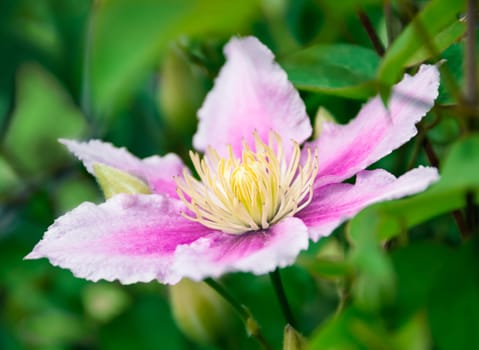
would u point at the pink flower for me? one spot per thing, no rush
(260, 197)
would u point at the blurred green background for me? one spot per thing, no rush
(399, 276)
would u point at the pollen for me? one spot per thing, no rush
(248, 193)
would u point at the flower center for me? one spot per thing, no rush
(237, 195)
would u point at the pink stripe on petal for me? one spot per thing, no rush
(335, 203)
(258, 252)
(343, 150)
(251, 93)
(131, 238)
(157, 171)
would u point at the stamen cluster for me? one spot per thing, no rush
(238, 195)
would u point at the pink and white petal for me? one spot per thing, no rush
(335, 203)
(157, 171)
(251, 93)
(343, 150)
(96, 151)
(130, 238)
(257, 252)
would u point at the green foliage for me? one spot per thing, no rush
(119, 62)
(400, 275)
(330, 70)
(43, 114)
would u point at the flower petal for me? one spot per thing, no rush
(131, 238)
(333, 204)
(157, 171)
(343, 150)
(251, 92)
(257, 252)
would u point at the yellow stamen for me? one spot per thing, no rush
(237, 195)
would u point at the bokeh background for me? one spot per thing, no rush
(134, 73)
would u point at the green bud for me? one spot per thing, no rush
(103, 302)
(181, 92)
(322, 116)
(292, 340)
(200, 312)
(114, 181)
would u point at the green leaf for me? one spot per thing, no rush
(417, 267)
(114, 181)
(331, 69)
(119, 62)
(453, 309)
(52, 327)
(352, 329)
(440, 42)
(44, 113)
(459, 176)
(430, 27)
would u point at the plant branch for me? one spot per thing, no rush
(434, 161)
(283, 300)
(373, 37)
(470, 93)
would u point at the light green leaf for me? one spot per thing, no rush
(129, 36)
(330, 69)
(44, 113)
(114, 181)
(459, 176)
(430, 27)
(352, 329)
(440, 42)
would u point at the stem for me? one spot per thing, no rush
(373, 37)
(283, 301)
(251, 325)
(472, 218)
(434, 161)
(388, 14)
(470, 93)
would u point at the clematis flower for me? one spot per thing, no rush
(262, 191)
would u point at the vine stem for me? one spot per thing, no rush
(373, 37)
(434, 161)
(283, 301)
(252, 327)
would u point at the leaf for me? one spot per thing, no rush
(44, 113)
(440, 42)
(352, 329)
(459, 176)
(417, 267)
(119, 62)
(430, 25)
(341, 69)
(114, 181)
(453, 310)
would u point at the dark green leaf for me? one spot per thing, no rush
(342, 69)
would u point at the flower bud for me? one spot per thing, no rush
(114, 181)
(292, 340)
(200, 313)
(181, 92)
(322, 116)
